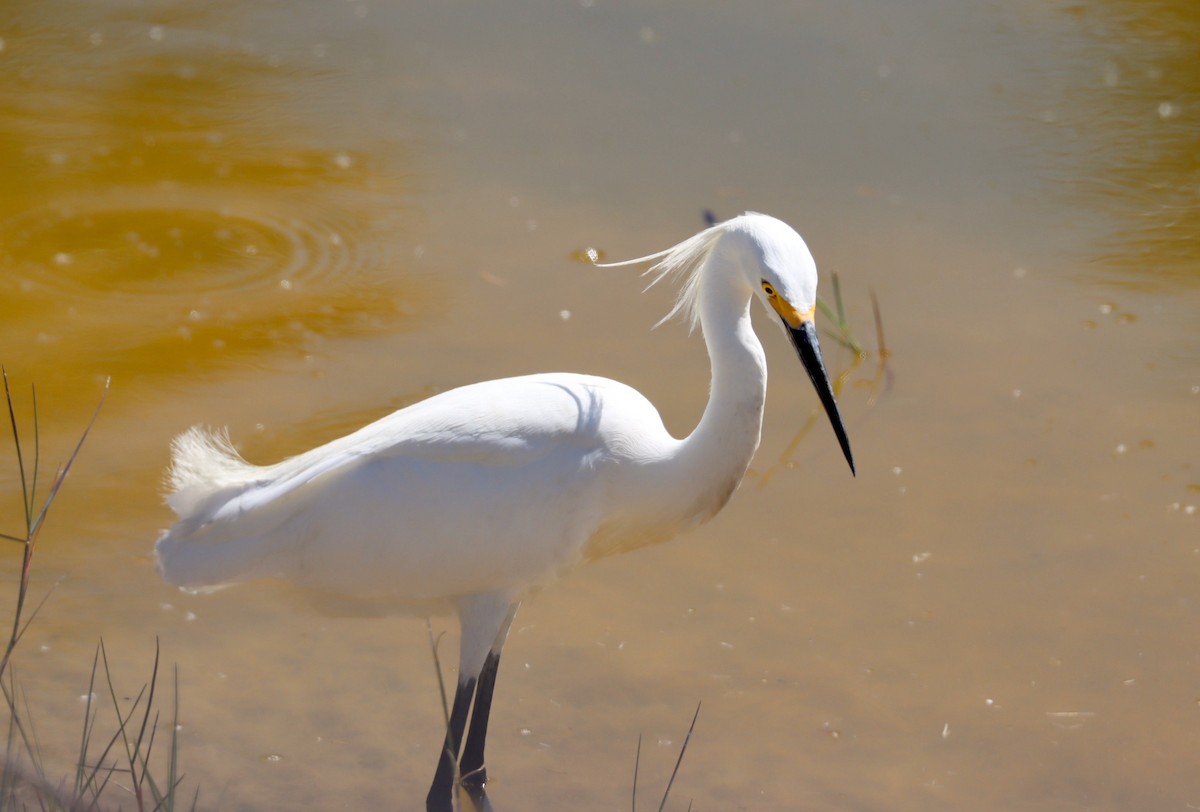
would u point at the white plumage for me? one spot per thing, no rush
(474, 496)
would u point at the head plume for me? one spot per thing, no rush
(682, 262)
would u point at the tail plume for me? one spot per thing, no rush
(203, 463)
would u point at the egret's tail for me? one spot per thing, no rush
(200, 550)
(203, 463)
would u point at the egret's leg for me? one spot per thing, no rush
(471, 767)
(440, 797)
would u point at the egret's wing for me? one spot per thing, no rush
(491, 464)
(505, 423)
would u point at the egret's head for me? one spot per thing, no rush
(776, 264)
(780, 270)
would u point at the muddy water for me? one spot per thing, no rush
(292, 218)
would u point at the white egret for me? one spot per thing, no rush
(469, 499)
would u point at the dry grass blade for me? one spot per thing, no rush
(19, 781)
(678, 761)
(33, 522)
(637, 760)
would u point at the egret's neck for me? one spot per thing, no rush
(718, 452)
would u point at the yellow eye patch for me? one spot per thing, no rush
(785, 309)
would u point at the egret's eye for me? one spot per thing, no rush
(769, 290)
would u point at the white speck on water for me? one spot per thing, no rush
(565, 315)
(897, 470)
(63, 258)
(343, 160)
(920, 557)
(285, 284)
(648, 35)
(946, 730)
(95, 38)
(1120, 449)
(190, 616)
(88, 697)
(157, 33)
(1016, 393)
(1167, 110)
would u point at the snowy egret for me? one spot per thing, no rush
(469, 499)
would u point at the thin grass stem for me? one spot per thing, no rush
(678, 761)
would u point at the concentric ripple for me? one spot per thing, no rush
(89, 249)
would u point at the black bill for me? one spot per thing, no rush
(804, 339)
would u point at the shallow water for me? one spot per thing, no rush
(293, 218)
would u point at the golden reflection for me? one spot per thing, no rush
(1139, 107)
(166, 209)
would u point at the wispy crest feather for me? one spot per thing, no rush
(683, 261)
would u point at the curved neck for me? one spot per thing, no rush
(718, 452)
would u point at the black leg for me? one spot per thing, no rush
(441, 793)
(472, 768)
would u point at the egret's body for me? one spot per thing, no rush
(475, 496)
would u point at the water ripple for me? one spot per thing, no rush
(90, 248)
